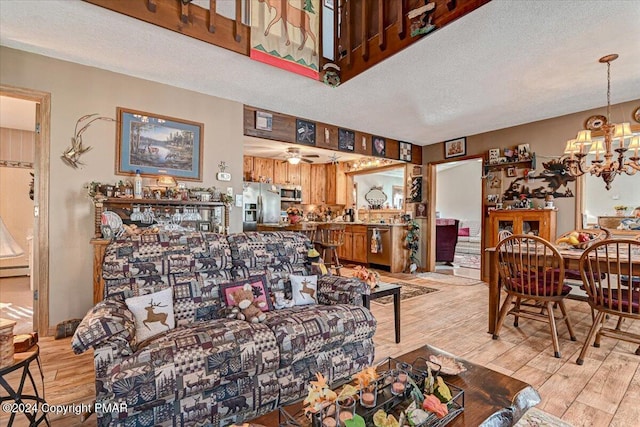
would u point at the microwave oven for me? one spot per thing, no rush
(291, 193)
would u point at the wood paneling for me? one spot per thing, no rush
(282, 126)
(305, 182)
(188, 19)
(247, 168)
(263, 167)
(318, 184)
(293, 173)
(280, 172)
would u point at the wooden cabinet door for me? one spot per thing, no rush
(360, 247)
(247, 168)
(330, 182)
(345, 252)
(280, 172)
(318, 184)
(336, 184)
(263, 167)
(305, 182)
(293, 174)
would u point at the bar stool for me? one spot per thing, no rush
(308, 229)
(329, 237)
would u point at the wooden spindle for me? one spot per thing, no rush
(381, 33)
(237, 24)
(152, 5)
(212, 16)
(184, 11)
(349, 40)
(365, 31)
(401, 26)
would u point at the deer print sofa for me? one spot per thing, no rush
(210, 370)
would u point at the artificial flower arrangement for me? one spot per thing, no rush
(294, 211)
(370, 277)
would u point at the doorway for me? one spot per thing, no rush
(38, 247)
(458, 196)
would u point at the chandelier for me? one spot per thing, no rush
(617, 138)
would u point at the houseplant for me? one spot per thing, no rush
(620, 209)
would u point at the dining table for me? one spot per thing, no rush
(571, 257)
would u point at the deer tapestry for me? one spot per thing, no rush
(284, 33)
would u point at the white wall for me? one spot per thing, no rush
(459, 190)
(77, 90)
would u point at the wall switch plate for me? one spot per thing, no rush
(230, 191)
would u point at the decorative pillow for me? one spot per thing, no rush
(463, 232)
(153, 313)
(304, 289)
(259, 286)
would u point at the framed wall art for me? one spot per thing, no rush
(346, 139)
(305, 132)
(455, 147)
(378, 146)
(157, 145)
(264, 121)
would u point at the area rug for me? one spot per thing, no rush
(449, 279)
(467, 260)
(408, 291)
(538, 418)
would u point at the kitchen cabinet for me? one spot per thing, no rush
(247, 168)
(286, 173)
(541, 222)
(336, 182)
(263, 168)
(305, 182)
(355, 244)
(318, 185)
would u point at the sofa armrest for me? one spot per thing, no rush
(341, 290)
(110, 321)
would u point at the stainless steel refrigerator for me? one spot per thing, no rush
(261, 205)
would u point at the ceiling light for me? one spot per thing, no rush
(293, 160)
(604, 164)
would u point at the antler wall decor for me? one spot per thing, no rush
(71, 156)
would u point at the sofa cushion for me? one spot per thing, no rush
(305, 330)
(165, 253)
(304, 289)
(192, 359)
(109, 320)
(276, 253)
(153, 313)
(463, 232)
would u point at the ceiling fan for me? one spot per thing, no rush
(294, 156)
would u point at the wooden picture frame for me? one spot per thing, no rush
(378, 146)
(455, 147)
(421, 210)
(346, 139)
(264, 121)
(156, 145)
(305, 132)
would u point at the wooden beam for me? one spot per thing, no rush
(237, 24)
(364, 47)
(381, 33)
(212, 16)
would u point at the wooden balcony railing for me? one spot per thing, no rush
(189, 19)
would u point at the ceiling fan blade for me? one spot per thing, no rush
(306, 160)
(311, 155)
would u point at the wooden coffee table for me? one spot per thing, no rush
(486, 392)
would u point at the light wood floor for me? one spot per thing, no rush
(604, 391)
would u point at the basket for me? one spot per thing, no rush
(6, 342)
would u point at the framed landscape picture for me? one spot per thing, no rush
(346, 139)
(157, 145)
(455, 148)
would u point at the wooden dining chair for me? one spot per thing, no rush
(308, 229)
(531, 271)
(328, 238)
(611, 274)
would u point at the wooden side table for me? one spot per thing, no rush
(383, 290)
(29, 405)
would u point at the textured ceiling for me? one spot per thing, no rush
(507, 63)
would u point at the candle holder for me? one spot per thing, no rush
(345, 410)
(368, 394)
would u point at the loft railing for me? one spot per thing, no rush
(366, 32)
(197, 19)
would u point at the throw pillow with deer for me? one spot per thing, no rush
(304, 289)
(153, 313)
